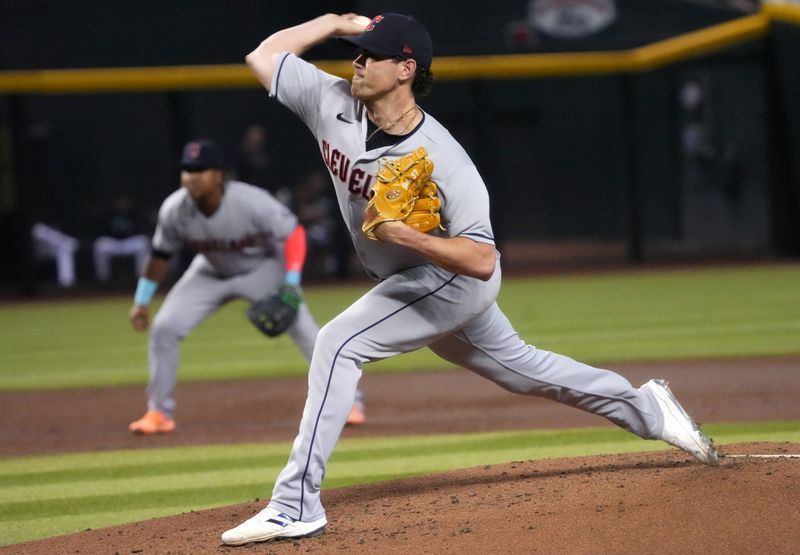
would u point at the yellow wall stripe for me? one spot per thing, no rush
(783, 12)
(233, 76)
(699, 42)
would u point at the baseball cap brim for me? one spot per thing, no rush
(367, 42)
(201, 167)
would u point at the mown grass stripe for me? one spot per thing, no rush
(191, 498)
(346, 470)
(141, 471)
(354, 465)
(152, 469)
(199, 454)
(102, 459)
(176, 481)
(154, 463)
(340, 474)
(347, 466)
(14, 531)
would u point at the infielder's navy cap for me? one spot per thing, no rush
(201, 153)
(397, 35)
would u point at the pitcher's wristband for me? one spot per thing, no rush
(145, 290)
(292, 278)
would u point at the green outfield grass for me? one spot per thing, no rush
(720, 312)
(93, 490)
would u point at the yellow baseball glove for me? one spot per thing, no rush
(404, 192)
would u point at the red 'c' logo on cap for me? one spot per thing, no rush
(371, 26)
(407, 50)
(193, 150)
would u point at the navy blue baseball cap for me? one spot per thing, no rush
(201, 154)
(396, 35)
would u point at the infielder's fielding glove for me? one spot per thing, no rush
(404, 192)
(275, 314)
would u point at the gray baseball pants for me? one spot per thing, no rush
(197, 295)
(456, 317)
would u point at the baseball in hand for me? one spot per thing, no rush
(361, 20)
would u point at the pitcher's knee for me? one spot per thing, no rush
(165, 331)
(332, 336)
(337, 341)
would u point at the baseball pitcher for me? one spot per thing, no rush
(418, 214)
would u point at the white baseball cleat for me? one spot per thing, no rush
(272, 524)
(679, 429)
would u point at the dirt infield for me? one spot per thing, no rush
(640, 503)
(735, 390)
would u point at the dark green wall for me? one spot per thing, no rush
(563, 158)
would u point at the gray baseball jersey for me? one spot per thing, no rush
(239, 255)
(417, 304)
(339, 123)
(248, 226)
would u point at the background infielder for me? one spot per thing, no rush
(248, 245)
(436, 289)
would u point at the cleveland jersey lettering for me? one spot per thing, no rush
(219, 244)
(357, 180)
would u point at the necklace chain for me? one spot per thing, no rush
(391, 123)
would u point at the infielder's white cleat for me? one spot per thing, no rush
(679, 429)
(271, 524)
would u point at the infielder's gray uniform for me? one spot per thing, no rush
(239, 254)
(417, 304)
